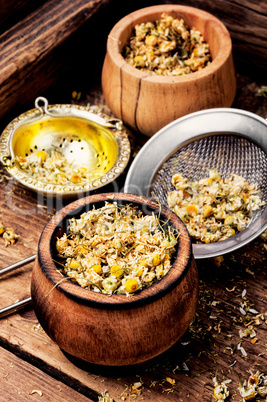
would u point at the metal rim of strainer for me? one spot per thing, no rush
(90, 113)
(186, 130)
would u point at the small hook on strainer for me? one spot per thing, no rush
(43, 109)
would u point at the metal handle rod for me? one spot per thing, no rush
(17, 264)
(15, 307)
(20, 304)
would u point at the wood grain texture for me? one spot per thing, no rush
(203, 351)
(245, 20)
(209, 345)
(247, 23)
(22, 381)
(30, 50)
(148, 102)
(13, 11)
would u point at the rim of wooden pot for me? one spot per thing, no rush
(178, 270)
(127, 23)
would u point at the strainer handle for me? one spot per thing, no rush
(41, 103)
(37, 104)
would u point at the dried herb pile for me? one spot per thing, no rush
(167, 47)
(214, 208)
(116, 249)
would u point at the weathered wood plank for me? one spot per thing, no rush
(247, 24)
(29, 58)
(13, 11)
(48, 45)
(20, 381)
(209, 344)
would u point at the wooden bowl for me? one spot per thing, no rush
(114, 330)
(147, 102)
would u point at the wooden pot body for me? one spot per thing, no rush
(114, 330)
(148, 102)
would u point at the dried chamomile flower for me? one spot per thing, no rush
(2, 229)
(53, 167)
(247, 393)
(253, 379)
(105, 397)
(249, 331)
(263, 91)
(262, 385)
(10, 236)
(256, 385)
(259, 382)
(220, 391)
(218, 261)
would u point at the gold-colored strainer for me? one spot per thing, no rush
(228, 140)
(85, 137)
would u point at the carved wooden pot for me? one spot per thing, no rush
(114, 330)
(148, 102)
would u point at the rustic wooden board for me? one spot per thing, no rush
(14, 10)
(187, 369)
(21, 381)
(31, 56)
(184, 372)
(54, 42)
(247, 23)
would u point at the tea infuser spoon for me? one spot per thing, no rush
(91, 148)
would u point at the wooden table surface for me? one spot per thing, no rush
(233, 296)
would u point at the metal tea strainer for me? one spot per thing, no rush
(228, 140)
(84, 136)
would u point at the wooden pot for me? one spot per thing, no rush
(114, 330)
(147, 102)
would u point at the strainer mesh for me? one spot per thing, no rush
(225, 153)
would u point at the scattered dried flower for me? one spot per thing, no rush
(170, 380)
(254, 386)
(220, 391)
(10, 236)
(249, 331)
(36, 391)
(262, 91)
(242, 350)
(105, 397)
